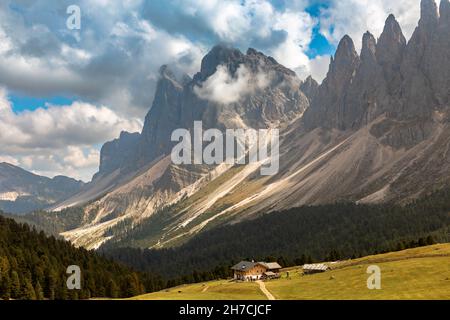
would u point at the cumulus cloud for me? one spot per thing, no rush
(114, 55)
(224, 88)
(59, 139)
(283, 32)
(354, 17)
(318, 67)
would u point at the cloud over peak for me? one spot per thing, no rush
(224, 88)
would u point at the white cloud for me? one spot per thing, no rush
(354, 17)
(299, 29)
(285, 33)
(224, 88)
(115, 50)
(10, 160)
(318, 67)
(59, 140)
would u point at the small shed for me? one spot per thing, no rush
(315, 268)
(270, 275)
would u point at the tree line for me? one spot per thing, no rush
(33, 266)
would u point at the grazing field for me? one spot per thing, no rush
(214, 290)
(420, 273)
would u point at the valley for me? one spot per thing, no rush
(413, 274)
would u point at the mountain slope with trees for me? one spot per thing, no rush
(33, 266)
(298, 235)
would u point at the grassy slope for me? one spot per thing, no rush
(420, 273)
(214, 290)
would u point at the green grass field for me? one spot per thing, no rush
(214, 290)
(420, 273)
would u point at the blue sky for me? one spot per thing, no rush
(63, 92)
(22, 102)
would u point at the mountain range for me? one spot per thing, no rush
(22, 191)
(376, 130)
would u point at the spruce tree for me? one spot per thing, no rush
(27, 291)
(15, 285)
(38, 291)
(113, 289)
(5, 287)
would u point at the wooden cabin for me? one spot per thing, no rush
(251, 271)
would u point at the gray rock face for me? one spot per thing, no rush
(115, 154)
(177, 105)
(404, 81)
(22, 191)
(328, 107)
(309, 87)
(390, 50)
(439, 69)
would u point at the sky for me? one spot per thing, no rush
(64, 92)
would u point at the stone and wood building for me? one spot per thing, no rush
(251, 271)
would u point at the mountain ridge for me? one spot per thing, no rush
(22, 191)
(376, 130)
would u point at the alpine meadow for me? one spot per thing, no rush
(252, 150)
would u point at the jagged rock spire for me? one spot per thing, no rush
(344, 64)
(368, 50)
(429, 16)
(309, 87)
(444, 11)
(345, 53)
(221, 55)
(391, 44)
(392, 32)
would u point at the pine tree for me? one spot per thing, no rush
(113, 289)
(15, 285)
(27, 291)
(38, 291)
(5, 287)
(430, 240)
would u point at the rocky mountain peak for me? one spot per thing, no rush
(220, 55)
(391, 45)
(309, 87)
(444, 11)
(174, 75)
(369, 44)
(429, 16)
(344, 64)
(345, 53)
(114, 154)
(392, 32)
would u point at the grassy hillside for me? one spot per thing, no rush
(213, 290)
(420, 273)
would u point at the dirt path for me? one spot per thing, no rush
(264, 290)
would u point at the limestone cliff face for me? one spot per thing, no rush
(403, 80)
(276, 98)
(328, 106)
(115, 154)
(309, 87)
